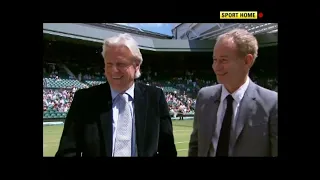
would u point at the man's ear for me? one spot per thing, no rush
(249, 60)
(137, 67)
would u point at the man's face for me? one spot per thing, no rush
(120, 68)
(229, 67)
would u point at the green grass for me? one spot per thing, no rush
(181, 130)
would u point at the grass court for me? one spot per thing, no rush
(181, 129)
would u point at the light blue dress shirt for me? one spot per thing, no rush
(115, 112)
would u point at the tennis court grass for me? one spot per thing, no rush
(181, 129)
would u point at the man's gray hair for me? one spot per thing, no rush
(244, 40)
(127, 40)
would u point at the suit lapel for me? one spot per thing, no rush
(140, 110)
(211, 109)
(106, 120)
(245, 109)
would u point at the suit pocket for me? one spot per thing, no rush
(258, 122)
(257, 128)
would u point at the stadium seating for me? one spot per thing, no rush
(53, 114)
(63, 83)
(60, 87)
(180, 92)
(169, 89)
(93, 82)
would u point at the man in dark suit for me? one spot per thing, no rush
(121, 118)
(236, 117)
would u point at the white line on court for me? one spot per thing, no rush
(182, 149)
(182, 130)
(182, 142)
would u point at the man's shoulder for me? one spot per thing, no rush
(149, 88)
(105, 88)
(267, 93)
(267, 97)
(210, 90)
(93, 90)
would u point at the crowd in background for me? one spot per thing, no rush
(58, 99)
(181, 102)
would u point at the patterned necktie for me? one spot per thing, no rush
(124, 129)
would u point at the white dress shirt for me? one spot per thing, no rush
(237, 96)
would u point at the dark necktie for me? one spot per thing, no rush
(224, 138)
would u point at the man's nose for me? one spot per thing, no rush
(115, 68)
(217, 66)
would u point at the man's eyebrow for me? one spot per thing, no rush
(224, 56)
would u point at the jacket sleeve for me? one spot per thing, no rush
(193, 144)
(70, 142)
(166, 145)
(273, 128)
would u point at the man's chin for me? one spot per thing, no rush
(116, 86)
(221, 80)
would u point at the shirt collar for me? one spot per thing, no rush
(129, 91)
(238, 94)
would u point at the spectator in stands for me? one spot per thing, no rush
(57, 99)
(128, 101)
(237, 117)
